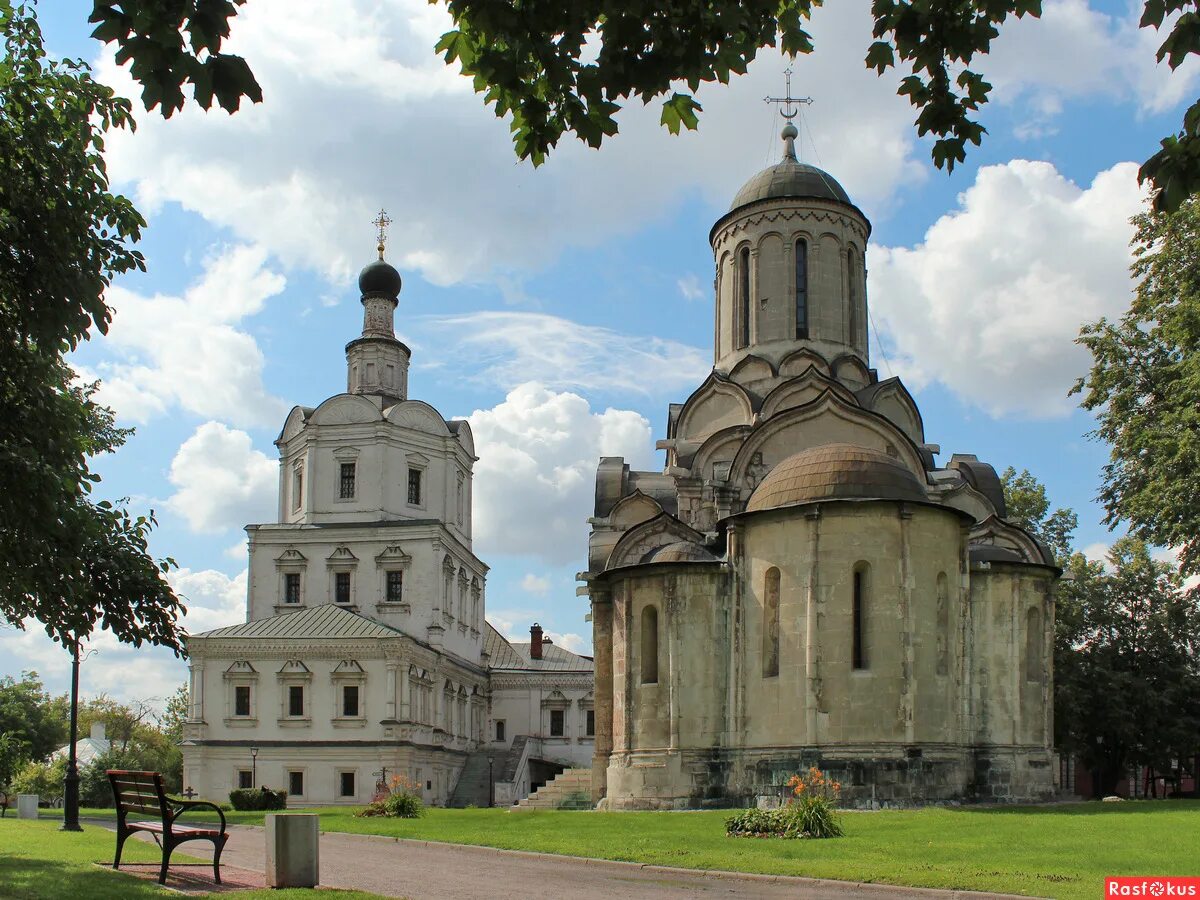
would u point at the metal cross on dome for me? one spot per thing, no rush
(381, 222)
(789, 106)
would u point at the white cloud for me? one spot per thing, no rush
(990, 303)
(213, 599)
(187, 351)
(511, 348)
(576, 643)
(222, 481)
(1108, 55)
(536, 584)
(399, 128)
(535, 479)
(689, 287)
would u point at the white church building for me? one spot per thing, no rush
(365, 652)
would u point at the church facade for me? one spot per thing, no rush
(365, 653)
(804, 583)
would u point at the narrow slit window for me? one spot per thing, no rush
(591, 723)
(649, 645)
(802, 289)
(291, 587)
(852, 292)
(297, 488)
(744, 290)
(346, 484)
(859, 614)
(341, 587)
(500, 730)
(770, 648)
(414, 487)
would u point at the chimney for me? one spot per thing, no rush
(97, 731)
(535, 641)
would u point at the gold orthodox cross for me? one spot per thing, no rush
(381, 223)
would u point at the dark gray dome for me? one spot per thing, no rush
(789, 178)
(379, 278)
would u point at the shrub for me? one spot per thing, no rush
(43, 779)
(404, 802)
(257, 799)
(811, 812)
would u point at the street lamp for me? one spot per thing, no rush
(71, 781)
(491, 784)
(253, 766)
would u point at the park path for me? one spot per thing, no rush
(423, 870)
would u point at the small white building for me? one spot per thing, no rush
(86, 749)
(365, 652)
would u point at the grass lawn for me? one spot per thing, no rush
(1052, 851)
(39, 862)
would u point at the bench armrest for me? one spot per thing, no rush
(182, 806)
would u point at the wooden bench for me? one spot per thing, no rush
(142, 793)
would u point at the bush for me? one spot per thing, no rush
(811, 812)
(43, 779)
(404, 802)
(257, 799)
(95, 790)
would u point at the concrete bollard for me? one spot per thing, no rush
(292, 851)
(27, 806)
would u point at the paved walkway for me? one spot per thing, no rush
(424, 870)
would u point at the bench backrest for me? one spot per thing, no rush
(139, 792)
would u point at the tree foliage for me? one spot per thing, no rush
(70, 563)
(567, 66)
(1144, 386)
(28, 713)
(1127, 682)
(1029, 506)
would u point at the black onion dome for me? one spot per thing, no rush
(379, 278)
(790, 178)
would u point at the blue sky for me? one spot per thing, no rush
(563, 308)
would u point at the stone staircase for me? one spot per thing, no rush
(472, 788)
(571, 789)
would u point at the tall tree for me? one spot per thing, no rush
(176, 713)
(26, 711)
(70, 563)
(567, 66)
(1127, 682)
(1144, 386)
(1029, 506)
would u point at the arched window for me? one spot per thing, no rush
(943, 624)
(649, 645)
(770, 650)
(852, 293)
(744, 297)
(802, 289)
(858, 616)
(1033, 644)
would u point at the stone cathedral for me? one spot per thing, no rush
(805, 582)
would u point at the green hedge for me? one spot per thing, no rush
(257, 798)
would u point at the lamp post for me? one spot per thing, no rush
(71, 781)
(491, 784)
(253, 766)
